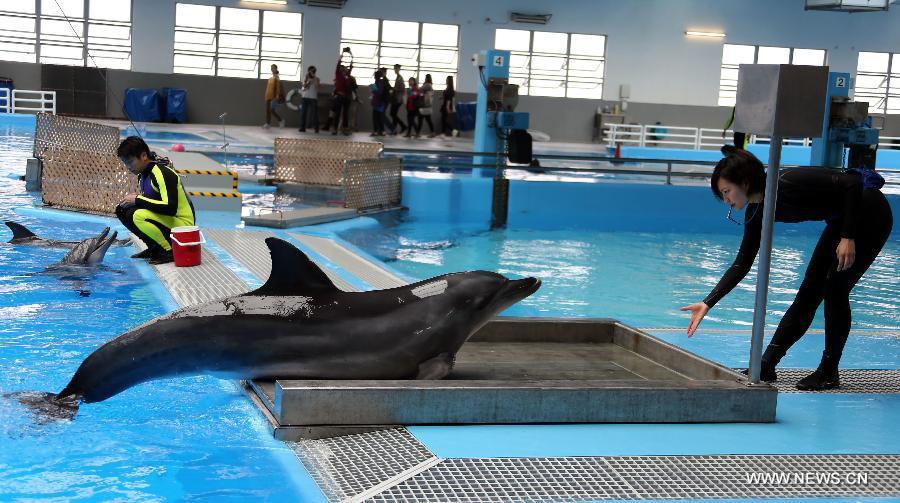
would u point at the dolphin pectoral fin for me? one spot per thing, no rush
(47, 407)
(436, 368)
(293, 273)
(19, 231)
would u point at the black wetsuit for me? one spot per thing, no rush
(850, 211)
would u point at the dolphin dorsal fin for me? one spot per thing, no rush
(293, 273)
(19, 231)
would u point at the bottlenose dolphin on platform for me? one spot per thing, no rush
(23, 236)
(298, 325)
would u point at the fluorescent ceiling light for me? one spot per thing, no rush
(708, 34)
(276, 2)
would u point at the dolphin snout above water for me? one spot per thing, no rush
(90, 251)
(298, 325)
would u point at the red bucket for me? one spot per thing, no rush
(186, 243)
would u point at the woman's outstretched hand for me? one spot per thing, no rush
(698, 311)
(846, 254)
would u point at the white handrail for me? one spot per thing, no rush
(23, 99)
(625, 134)
(4, 100)
(659, 135)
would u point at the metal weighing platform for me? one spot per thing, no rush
(528, 370)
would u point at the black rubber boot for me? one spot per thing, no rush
(825, 377)
(770, 359)
(161, 257)
(773, 354)
(147, 253)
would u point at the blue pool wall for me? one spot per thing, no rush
(604, 206)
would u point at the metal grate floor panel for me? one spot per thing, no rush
(391, 465)
(374, 275)
(350, 465)
(661, 477)
(194, 285)
(249, 248)
(870, 381)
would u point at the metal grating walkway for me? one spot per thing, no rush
(344, 467)
(249, 248)
(378, 277)
(852, 381)
(194, 285)
(392, 465)
(658, 477)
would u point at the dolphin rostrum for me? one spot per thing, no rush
(298, 325)
(88, 251)
(23, 236)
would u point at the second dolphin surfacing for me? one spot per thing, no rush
(299, 325)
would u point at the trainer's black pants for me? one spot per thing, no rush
(823, 282)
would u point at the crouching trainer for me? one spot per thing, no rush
(161, 204)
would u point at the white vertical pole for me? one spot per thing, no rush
(765, 257)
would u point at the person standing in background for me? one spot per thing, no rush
(397, 101)
(426, 109)
(341, 95)
(378, 99)
(448, 109)
(274, 95)
(309, 108)
(412, 98)
(387, 97)
(352, 111)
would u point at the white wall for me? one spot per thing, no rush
(646, 46)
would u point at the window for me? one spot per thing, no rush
(554, 64)
(18, 31)
(232, 42)
(420, 48)
(63, 29)
(735, 55)
(878, 81)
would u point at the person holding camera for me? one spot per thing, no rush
(341, 97)
(309, 107)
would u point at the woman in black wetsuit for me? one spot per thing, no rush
(859, 222)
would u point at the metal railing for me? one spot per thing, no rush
(658, 135)
(462, 161)
(4, 100)
(28, 101)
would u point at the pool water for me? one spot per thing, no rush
(175, 439)
(643, 278)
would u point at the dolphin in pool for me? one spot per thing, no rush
(23, 236)
(88, 252)
(82, 260)
(298, 325)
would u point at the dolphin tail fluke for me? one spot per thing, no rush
(19, 231)
(47, 407)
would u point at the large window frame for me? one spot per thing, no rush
(83, 33)
(553, 66)
(429, 52)
(229, 42)
(734, 55)
(877, 82)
